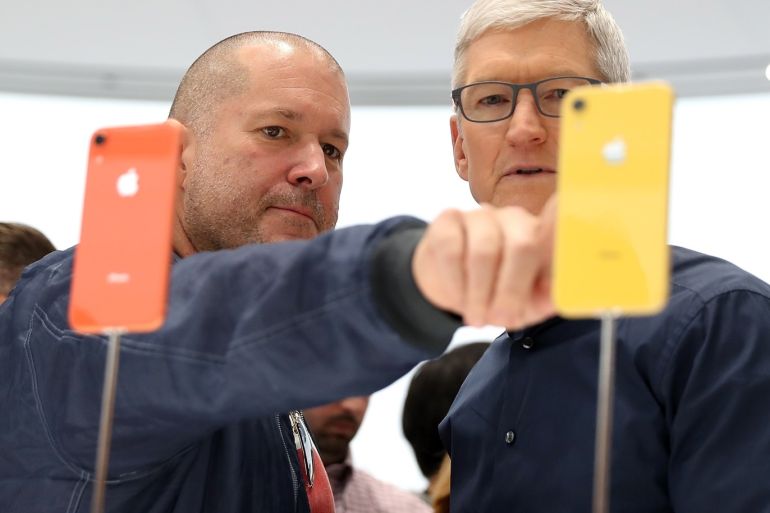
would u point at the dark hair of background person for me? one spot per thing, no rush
(20, 245)
(431, 392)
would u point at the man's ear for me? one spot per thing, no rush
(461, 162)
(186, 152)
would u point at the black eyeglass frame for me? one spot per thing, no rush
(532, 86)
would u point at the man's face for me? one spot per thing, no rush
(270, 167)
(498, 159)
(334, 426)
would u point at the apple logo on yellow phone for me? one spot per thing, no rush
(614, 152)
(128, 183)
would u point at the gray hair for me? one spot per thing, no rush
(611, 53)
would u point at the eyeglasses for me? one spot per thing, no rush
(489, 101)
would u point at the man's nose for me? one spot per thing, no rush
(309, 170)
(526, 126)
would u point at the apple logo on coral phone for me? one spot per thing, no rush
(614, 152)
(128, 183)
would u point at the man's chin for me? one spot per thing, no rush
(281, 228)
(332, 449)
(532, 201)
(290, 236)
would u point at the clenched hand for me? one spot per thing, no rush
(491, 265)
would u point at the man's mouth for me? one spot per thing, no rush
(296, 210)
(529, 171)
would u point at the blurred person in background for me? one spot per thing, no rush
(355, 491)
(432, 389)
(20, 246)
(439, 491)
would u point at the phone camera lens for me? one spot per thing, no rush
(579, 104)
(99, 139)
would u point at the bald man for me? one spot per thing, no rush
(253, 330)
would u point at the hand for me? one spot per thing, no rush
(491, 265)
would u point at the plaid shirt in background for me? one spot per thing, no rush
(355, 491)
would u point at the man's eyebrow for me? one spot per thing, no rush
(339, 134)
(293, 115)
(495, 77)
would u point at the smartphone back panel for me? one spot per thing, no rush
(121, 267)
(611, 250)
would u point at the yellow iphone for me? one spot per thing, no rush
(611, 252)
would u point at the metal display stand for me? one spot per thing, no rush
(105, 421)
(605, 398)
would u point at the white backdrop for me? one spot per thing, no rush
(400, 162)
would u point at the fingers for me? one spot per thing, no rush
(492, 266)
(542, 305)
(519, 268)
(548, 226)
(484, 243)
(438, 262)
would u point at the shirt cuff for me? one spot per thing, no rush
(400, 301)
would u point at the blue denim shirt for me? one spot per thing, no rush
(691, 411)
(249, 333)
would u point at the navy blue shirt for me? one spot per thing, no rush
(691, 412)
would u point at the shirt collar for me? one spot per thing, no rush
(340, 474)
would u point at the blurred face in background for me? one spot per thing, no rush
(334, 425)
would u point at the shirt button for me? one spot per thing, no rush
(510, 437)
(527, 342)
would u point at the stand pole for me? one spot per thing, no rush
(105, 422)
(601, 497)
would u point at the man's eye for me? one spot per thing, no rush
(332, 152)
(555, 94)
(273, 131)
(494, 99)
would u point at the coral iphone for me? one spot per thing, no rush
(122, 264)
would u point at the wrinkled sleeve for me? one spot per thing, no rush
(249, 332)
(717, 395)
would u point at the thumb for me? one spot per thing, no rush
(548, 228)
(547, 241)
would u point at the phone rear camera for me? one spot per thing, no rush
(99, 139)
(579, 104)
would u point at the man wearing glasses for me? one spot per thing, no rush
(692, 403)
